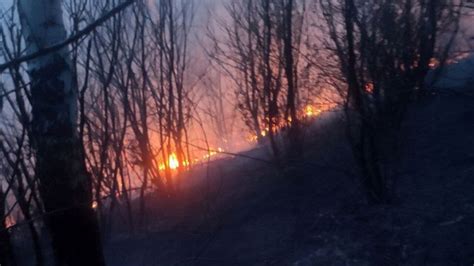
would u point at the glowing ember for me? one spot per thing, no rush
(434, 63)
(309, 110)
(252, 138)
(174, 163)
(369, 87)
(9, 221)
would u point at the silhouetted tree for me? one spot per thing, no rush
(383, 50)
(65, 184)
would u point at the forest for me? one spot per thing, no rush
(236, 132)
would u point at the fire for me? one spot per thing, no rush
(9, 221)
(310, 111)
(369, 87)
(212, 153)
(434, 63)
(252, 138)
(173, 161)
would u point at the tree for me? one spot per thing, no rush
(383, 49)
(260, 53)
(6, 250)
(65, 184)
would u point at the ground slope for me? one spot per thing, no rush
(244, 212)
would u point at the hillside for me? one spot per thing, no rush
(243, 212)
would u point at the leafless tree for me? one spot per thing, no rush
(6, 250)
(383, 50)
(261, 53)
(65, 183)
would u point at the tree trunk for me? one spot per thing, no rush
(65, 185)
(295, 149)
(7, 257)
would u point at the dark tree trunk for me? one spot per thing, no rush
(64, 183)
(6, 251)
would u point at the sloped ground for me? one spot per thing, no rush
(244, 212)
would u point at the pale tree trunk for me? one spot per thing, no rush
(65, 185)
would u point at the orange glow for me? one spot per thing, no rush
(9, 221)
(309, 110)
(434, 63)
(252, 138)
(369, 87)
(173, 161)
(213, 152)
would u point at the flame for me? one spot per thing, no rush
(309, 110)
(173, 161)
(212, 153)
(9, 221)
(252, 138)
(369, 87)
(434, 63)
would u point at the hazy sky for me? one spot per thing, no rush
(5, 3)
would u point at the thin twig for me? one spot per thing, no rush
(76, 37)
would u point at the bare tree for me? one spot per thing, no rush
(65, 184)
(260, 53)
(6, 249)
(383, 50)
(171, 94)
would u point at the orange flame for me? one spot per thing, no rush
(173, 162)
(309, 110)
(369, 87)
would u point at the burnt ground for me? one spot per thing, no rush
(243, 212)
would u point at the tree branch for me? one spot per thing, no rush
(88, 29)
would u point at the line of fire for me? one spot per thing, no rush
(236, 132)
